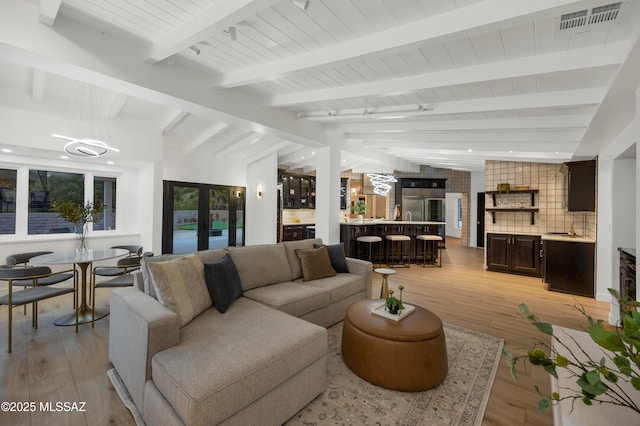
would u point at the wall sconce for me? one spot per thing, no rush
(259, 191)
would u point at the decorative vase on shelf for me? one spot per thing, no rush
(360, 218)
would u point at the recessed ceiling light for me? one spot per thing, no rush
(64, 157)
(109, 162)
(6, 150)
(470, 150)
(313, 153)
(302, 157)
(392, 117)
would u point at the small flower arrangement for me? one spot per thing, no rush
(79, 214)
(392, 304)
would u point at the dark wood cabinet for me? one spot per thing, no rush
(581, 186)
(569, 267)
(515, 254)
(294, 232)
(627, 277)
(298, 191)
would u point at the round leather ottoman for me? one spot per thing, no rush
(408, 355)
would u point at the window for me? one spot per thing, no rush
(459, 212)
(45, 187)
(104, 189)
(7, 201)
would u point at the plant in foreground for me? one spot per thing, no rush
(79, 214)
(599, 381)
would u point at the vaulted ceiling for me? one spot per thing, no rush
(395, 83)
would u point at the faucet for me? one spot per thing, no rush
(572, 233)
(407, 214)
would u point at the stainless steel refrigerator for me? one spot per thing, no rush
(423, 204)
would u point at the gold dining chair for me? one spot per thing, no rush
(33, 293)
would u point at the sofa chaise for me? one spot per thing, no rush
(259, 362)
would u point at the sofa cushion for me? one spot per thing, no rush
(260, 265)
(341, 286)
(223, 282)
(205, 389)
(180, 286)
(210, 256)
(337, 257)
(146, 279)
(295, 299)
(294, 261)
(315, 263)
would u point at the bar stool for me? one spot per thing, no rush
(369, 240)
(395, 240)
(433, 242)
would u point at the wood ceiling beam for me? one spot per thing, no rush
(481, 137)
(115, 105)
(574, 121)
(606, 55)
(463, 22)
(48, 11)
(172, 119)
(217, 17)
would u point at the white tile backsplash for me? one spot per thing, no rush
(552, 217)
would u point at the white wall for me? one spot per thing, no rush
(261, 213)
(451, 214)
(617, 211)
(202, 167)
(136, 167)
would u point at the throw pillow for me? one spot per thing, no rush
(337, 257)
(315, 263)
(180, 286)
(223, 282)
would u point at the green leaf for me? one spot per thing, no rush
(591, 389)
(524, 309)
(607, 339)
(621, 361)
(614, 293)
(551, 369)
(545, 327)
(636, 383)
(562, 361)
(587, 401)
(593, 377)
(543, 404)
(612, 377)
(602, 361)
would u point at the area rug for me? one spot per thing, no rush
(460, 400)
(348, 400)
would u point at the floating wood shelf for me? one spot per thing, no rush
(533, 211)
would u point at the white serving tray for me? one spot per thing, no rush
(380, 310)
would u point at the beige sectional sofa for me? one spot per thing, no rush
(260, 362)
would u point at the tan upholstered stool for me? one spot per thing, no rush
(433, 243)
(369, 240)
(390, 254)
(409, 355)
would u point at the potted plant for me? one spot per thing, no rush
(596, 378)
(392, 304)
(359, 208)
(79, 215)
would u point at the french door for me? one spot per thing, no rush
(200, 216)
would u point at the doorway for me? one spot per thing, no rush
(201, 216)
(480, 221)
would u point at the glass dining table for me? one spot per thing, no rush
(83, 261)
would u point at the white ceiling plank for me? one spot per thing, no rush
(265, 152)
(49, 11)
(38, 85)
(204, 137)
(217, 17)
(237, 145)
(115, 105)
(173, 118)
(471, 20)
(598, 56)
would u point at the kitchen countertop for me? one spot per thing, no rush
(552, 237)
(390, 222)
(299, 224)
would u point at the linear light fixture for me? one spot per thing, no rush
(194, 50)
(383, 113)
(231, 33)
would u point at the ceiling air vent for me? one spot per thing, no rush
(598, 18)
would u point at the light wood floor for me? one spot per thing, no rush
(54, 364)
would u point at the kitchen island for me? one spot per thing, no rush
(350, 231)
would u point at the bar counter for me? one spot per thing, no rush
(350, 231)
